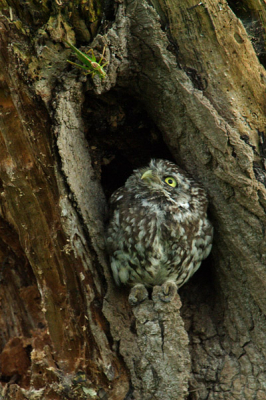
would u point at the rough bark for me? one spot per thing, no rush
(67, 331)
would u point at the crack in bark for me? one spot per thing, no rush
(162, 334)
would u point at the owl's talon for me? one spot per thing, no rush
(169, 290)
(137, 294)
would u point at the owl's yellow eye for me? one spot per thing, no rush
(170, 181)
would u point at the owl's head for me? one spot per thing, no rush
(164, 179)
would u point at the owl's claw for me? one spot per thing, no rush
(137, 294)
(169, 290)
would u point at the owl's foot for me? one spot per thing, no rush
(169, 290)
(137, 294)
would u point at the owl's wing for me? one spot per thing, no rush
(117, 198)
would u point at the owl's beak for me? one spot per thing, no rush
(148, 175)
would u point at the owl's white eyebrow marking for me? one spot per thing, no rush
(119, 197)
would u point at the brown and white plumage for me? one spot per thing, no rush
(158, 229)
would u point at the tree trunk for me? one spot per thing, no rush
(185, 81)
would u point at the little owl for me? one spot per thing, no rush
(158, 231)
